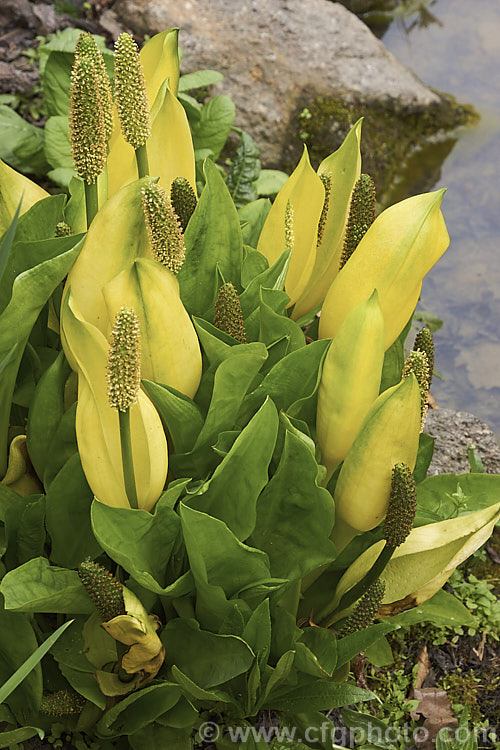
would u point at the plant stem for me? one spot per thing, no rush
(91, 201)
(127, 458)
(141, 157)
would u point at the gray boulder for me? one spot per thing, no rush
(455, 431)
(280, 59)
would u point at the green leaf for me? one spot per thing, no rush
(320, 696)
(424, 457)
(449, 495)
(294, 515)
(323, 644)
(244, 170)
(274, 326)
(62, 447)
(18, 644)
(179, 414)
(475, 463)
(139, 541)
(157, 737)
(271, 278)
(207, 659)
(56, 81)
(199, 79)
(369, 729)
(8, 239)
(351, 645)
(69, 498)
(394, 360)
(138, 709)
(232, 491)
(213, 241)
(29, 664)
(218, 558)
(30, 537)
(213, 127)
(22, 143)
(380, 653)
(30, 292)
(36, 586)
(57, 143)
(198, 693)
(270, 181)
(15, 736)
(254, 214)
(257, 632)
(46, 411)
(443, 609)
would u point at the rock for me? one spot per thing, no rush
(279, 60)
(454, 432)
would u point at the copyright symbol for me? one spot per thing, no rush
(208, 731)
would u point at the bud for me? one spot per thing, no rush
(361, 216)
(425, 343)
(183, 200)
(63, 229)
(326, 179)
(416, 362)
(228, 315)
(164, 228)
(86, 121)
(87, 47)
(402, 506)
(130, 92)
(366, 609)
(124, 360)
(103, 588)
(62, 703)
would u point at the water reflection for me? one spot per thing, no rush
(458, 51)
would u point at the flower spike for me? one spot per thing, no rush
(130, 92)
(425, 343)
(103, 588)
(228, 315)
(164, 228)
(87, 47)
(124, 361)
(326, 179)
(402, 506)
(361, 216)
(366, 609)
(62, 703)
(183, 200)
(63, 229)
(86, 122)
(417, 363)
(289, 236)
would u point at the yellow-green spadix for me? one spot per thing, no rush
(389, 435)
(97, 424)
(170, 351)
(350, 381)
(425, 561)
(399, 248)
(301, 197)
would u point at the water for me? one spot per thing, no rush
(457, 50)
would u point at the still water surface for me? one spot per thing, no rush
(458, 51)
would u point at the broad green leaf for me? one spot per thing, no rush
(56, 81)
(18, 643)
(257, 632)
(294, 515)
(217, 557)
(30, 531)
(207, 659)
(198, 693)
(319, 695)
(22, 143)
(323, 644)
(199, 79)
(214, 125)
(31, 662)
(351, 645)
(244, 170)
(15, 736)
(8, 239)
(394, 360)
(449, 495)
(62, 446)
(157, 737)
(270, 181)
(274, 327)
(232, 491)
(140, 542)
(57, 144)
(179, 414)
(272, 277)
(380, 653)
(36, 586)
(46, 411)
(368, 728)
(213, 241)
(138, 709)
(30, 292)
(344, 165)
(279, 676)
(254, 215)
(443, 609)
(68, 516)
